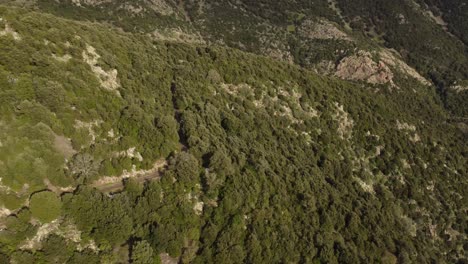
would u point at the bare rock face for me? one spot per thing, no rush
(361, 67)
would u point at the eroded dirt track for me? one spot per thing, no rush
(113, 184)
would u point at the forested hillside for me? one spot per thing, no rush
(428, 35)
(222, 156)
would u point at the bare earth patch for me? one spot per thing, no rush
(198, 208)
(345, 123)
(108, 79)
(43, 232)
(88, 126)
(64, 58)
(410, 130)
(63, 145)
(367, 187)
(166, 259)
(459, 88)
(4, 212)
(9, 31)
(58, 227)
(57, 190)
(130, 174)
(131, 153)
(405, 126)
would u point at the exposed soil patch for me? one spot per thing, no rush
(64, 58)
(409, 130)
(43, 232)
(57, 190)
(63, 146)
(108, 79)
(459, 88)
(166, 259)
(345, 123)
(131, 153)
(9, 31)
(88, 126)
(113, 184)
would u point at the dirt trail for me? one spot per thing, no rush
(114, 184)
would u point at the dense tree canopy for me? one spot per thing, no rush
(225, 156)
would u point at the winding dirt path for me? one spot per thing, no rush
(113, 184)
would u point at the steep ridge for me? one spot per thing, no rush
(294, 31)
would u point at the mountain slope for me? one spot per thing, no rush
(428, 35)
(266, 161)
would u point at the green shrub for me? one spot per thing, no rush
(45, 206)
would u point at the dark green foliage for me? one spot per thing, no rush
(142, 253)
(106, 220)
(21, 256)
(254, 174)
(437, 46)
(56, 249)
(45, 206)
(17, 230)
(43, 98)
(85, 256)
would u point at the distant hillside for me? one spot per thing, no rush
(429, 35)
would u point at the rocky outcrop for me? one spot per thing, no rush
(409, 130)
(108, 79)
(8, 30)
(361, 67)
(377, 69)
(345, 122)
